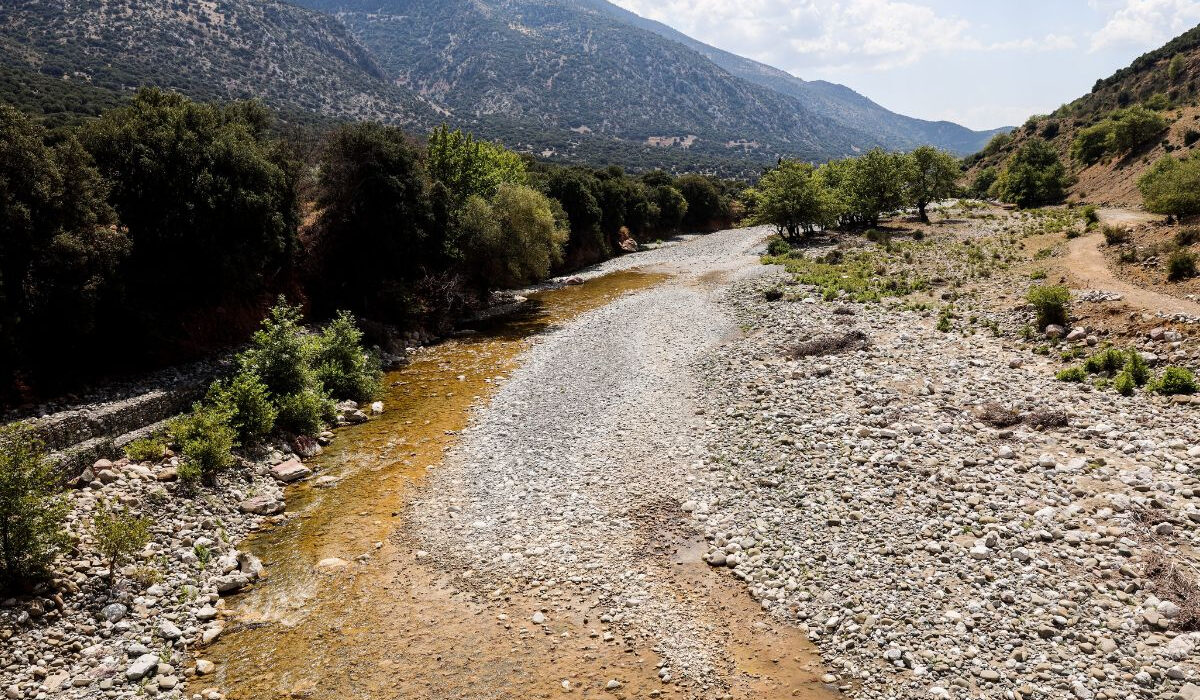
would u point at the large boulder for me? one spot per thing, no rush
(262, 505)
(290, 471)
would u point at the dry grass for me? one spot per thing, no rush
(830, 345)
(998, 415)
(1172, 583)
(1048, 418)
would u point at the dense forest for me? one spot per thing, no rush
(163, 229)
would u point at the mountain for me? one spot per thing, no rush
(1165, 80)
(837, 102)
(298, 61)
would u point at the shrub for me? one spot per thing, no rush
(206, 441)
(1110, 361)
(1172, 186)
(1187, 236)
(1072, 374)
(830, 344)
(1190, 137)
(511, 239)
(1181, 266)
(1124, 383)
(1137, 368)
(247, 402)
(1090, 215)
(280, 354)
(1175, 380)
(1050, 303)
(778, 246)
(305, 412)
(998, 415)
(1033, 176)
(773, 294)
(147, 449)
(344, 370)
(1115, 235)
(119, 534)
(32, 510)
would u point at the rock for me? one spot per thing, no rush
(1190, 692)
(167, 682)
(332, 563)
(142, 667)
(573, 281)
(206, 613)
(250, 565)
(290, 471)
(612, 684)
(102, 464)
(169, 631)
(1054, 331)
(1076, 334)
(355, 417)
(377, 408)
(231, 583)
(539, 618)
(262, 505)
(114, 612)
(306, 447)
(204, 667)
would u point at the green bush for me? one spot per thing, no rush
(1051, 304)
(1181, 266)
(1033, 176)
(1110, 361)
(32, 510)
(147, 449)
(280, 354)
(206, 440)
(343, 368)
(1187, 237)
(1137, 368)
(1072, 374)
(778, 246)
(1175, 380)
(1115, 235)
(306, 412)
(119, 534)
(1124, 383)
(246, 400)
(1172, 186)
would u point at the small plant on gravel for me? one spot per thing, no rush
(773, 294)
(1187, 237)
(343, 368)
(1137, 368)
(119, 535)
(1050, 303)
(1181, 266)
(778, 246)
(206, 441)
(32, 509)
(248, 403)
(1038, 274)
(944, 324)
(306, 412)
(1128, 256)
(1124, 384)
(1072, 374)
(830, 344)
(844, 310)
(1090, 216)
(1047, 418)
(1175, 381)
(147, 449)
(1115, 235)
(1110, 360)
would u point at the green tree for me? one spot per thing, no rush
(930, 176)
(209, 199)
(469, 167)
(794, 201)
(705, 206)
(119, 534)
(1172, 187)
(672, 207)
(1034, 176)
(866, 187)
(32, 510)
(512, 240)
(1176, 67)
(1134, 127)
(379, 225)
(575, 190)
(984, 179)
(344, 369)
(1092, 143)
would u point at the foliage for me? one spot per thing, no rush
(147, 449)
(119, 534)
(1174, 381)
(1033, 176)
(1072, 374)
(467, 167)
(930, 176)
(1172, 186)
(1115, 235)
(1050, 303)
(791, 199)
(778, 246)
(1121, 131)
(512, 240)
(1109, 360)
(343, 369)
(305, 412)
(206, 441)
(985, 178)
(280, 354)
(1124, 384)
(866, 187)
(247, 401)
(705, 205)
(1137, 368)
(1181, 266)
(32, 511)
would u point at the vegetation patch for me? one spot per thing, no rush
(830, 345)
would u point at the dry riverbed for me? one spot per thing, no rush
(645, 496)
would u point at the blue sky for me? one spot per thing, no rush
(982, 63)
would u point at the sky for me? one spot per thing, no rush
(981, 63)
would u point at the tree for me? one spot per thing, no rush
(119, 534)
(576, 190)
(1176, 67)
(672, 207)
(32, 510)
(1134, 127)
(704, 203)
(1034, 176)
(866, 187)
(378, 224)
(984, 179)
(209, 199)
(930, 176)
(468, 167)
(512, 240)
(1172, 187)
(794, 201)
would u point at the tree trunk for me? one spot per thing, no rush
(921, 210)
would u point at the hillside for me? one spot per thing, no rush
(296, 60)
(1165, 81)
(837, 102)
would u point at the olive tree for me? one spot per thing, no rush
(790, 198)
(929, 176)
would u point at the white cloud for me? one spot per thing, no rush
(1143, 22)
(816, 35)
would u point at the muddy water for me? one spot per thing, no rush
(350, 610)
